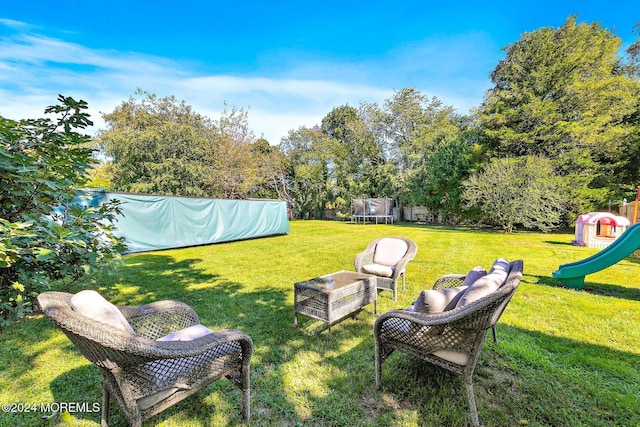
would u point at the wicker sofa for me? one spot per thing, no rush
(451, 339)
(150, 356)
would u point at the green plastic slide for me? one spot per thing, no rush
(572, 275)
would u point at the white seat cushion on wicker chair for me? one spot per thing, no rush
(452, 356)
(187, 334)
(405, 327)
(91, 304)
(378, 270)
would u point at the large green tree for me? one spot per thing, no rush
(307, 171)
(562, 93)
(49, 239)
(158, 145)
(426, 140)
(354, 158)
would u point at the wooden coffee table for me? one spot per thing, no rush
(331, 297)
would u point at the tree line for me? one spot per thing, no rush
(557, 135)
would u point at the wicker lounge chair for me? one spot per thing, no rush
(451, 339)
(386, 258)
(155, 367)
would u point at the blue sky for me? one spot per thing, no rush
(288, 63)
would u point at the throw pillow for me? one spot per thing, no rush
(482, 287)
(473, 275)
(91, 304)
(500, 264)
(438, 300)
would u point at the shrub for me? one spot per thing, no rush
(48, 239)
(517, 191)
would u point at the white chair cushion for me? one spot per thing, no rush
(389, 251)
(157, 397)
(187, 334)
(452, 356)
(91, 304)
(438, 300)
(378, 270)
(406, 327)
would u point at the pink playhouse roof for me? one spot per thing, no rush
(607, 218)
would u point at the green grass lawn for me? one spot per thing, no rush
(564, 357)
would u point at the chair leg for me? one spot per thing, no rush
(246, 404)
(246, 394)
(475, 421)
(378, 370)
(495, 334)
(105, 407)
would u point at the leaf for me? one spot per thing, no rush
(44, 254)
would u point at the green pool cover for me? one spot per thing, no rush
(161, 222)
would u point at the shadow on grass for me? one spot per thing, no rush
(555, 242)
(300, 377)
(527, 378)
(542, 372)
(84, 385)
(264, 314)
(445, 227)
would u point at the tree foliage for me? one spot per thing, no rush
(46, 238)
(161, 146)
(308, 171)
(354, 158)
(399, 150)
(516, 191)
(561, 93)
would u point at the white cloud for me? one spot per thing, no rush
(34, 69)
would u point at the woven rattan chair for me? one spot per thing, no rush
(452, 339)
(380, 260)
(147, 376)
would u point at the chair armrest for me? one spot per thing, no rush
(159, 318)
(455, 330)
(449, 281)
(204, 344)
(138, 350)
(402, 264)
(463, 324)
(362, 259)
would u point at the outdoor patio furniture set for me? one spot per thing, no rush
(155, 355)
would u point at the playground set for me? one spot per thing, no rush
(599, 229)
(614, 234)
